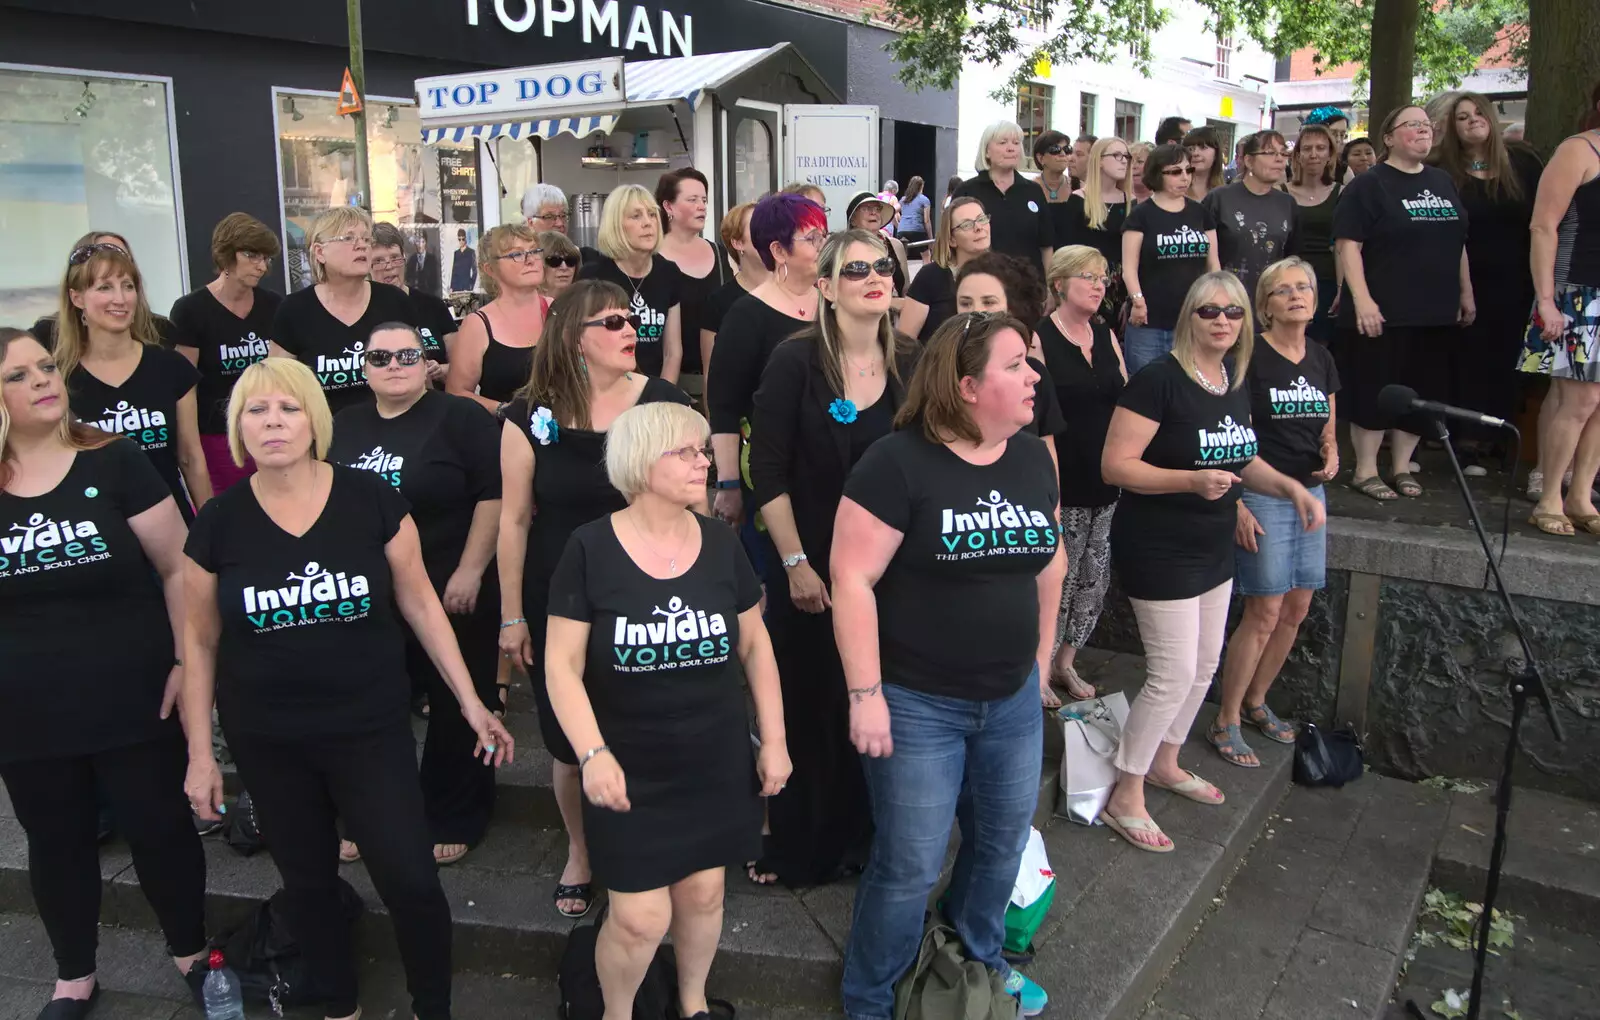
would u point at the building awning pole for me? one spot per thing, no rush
(358, 75)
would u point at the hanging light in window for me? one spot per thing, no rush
(289, 108)
(392, 116)
(85, 102)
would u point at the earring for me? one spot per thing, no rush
(783, 272)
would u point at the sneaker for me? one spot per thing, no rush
(1031, 999)
(1475, 471)
(1535, 484)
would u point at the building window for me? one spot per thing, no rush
(429, 191)
(1126, 125)
(1034, 14)
(1035, 109)
(1226, 131)
(752, 160)
(81, 153)
(1087, 112)
(1224, 56)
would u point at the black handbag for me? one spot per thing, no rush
(1326, 759)
(242, 827)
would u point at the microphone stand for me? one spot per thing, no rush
(1524, 679)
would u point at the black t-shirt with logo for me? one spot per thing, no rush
(1172, 255)
(1412, 228)
(311, 643)
(1289, 407)
(85, 642)
(305, 328)
(650, 299)
(1179, 545)
(227, 345)
(144, 408)
(443, 454)
(1253, 231)
(434, 322)
(958, 606)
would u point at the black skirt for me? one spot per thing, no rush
(1416, 356)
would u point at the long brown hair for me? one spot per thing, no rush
(825, 331)
(75, 435)
(72, 335)
(560, 380)
(1450, 155)
(957, 349)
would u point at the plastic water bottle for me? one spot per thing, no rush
(224, 999)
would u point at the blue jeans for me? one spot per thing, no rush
(1288, 556)
(1143, 345)
(976, 762)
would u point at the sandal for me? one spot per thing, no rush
(1194, 788)
(1049, 698)
(1587, 523)
(1374, 488)
(1230, 744)
(1126, 825)
(445, 860)
(349, 853)
(582, 891)
(757, 871)
(1553, 524)
(1407, 484)
(1068, 679)
(1271, 727)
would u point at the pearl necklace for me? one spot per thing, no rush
(1205, 383)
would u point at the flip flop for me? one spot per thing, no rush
(1049, 698)
(582, 891)
(1070, 681)
(1128, 824)
(1553, 524)
(1587, 523)
(1191, 789)
(1266, 720)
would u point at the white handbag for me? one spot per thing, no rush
(1091, 734)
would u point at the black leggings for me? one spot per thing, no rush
(56, 801)
(301, 786)
(458, 789)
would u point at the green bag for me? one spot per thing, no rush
(944, 985)
(1023, 923)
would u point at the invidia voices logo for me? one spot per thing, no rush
(41, 544)
(1230, 442)
(340, 373)
(235, 358)
(383, 463)
(318, 595)
(683, 637)
(146, 427)
(998, 527)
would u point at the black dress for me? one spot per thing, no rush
(822, 821)
(694, 295)
(660, 675)
(505, 369)
(1087, 395)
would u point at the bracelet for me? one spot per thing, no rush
(513, 623)
(861, 694)
(727, 483)
(591, 753)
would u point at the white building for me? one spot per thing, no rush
(1223, 82)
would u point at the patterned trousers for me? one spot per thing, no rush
(1086, 534)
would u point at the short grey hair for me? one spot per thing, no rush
(1000, 129)
(891, 185)
(540, 195)
(641, 435)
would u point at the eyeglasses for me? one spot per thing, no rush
(407, 356)
(353, 240)
(615, 322)
(256, 256)
(1270, 153)
(815, 239)
(1177, 171)
(976, 221)
(563, 261)
(393, 262)
(1104, 281)
(689, 454)
(859, 269)
(521, 256)
(86, 252)
(1291, 289)
(1121, 157)
(552, 217)
(1414, 125)
(1209, 312)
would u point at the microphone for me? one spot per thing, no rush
(1396, 400)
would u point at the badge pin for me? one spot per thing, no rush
(91, 492)
(1033, 206)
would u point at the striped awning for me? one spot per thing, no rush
(578, 127)
(687, 78)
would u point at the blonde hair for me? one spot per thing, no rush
(494, 243)
(1095, 210)
(72, 334)
(1269, 280)
(1000, 130)
(642, 435)
(280, 375)
(73, 434)
(732, 228)
(1183, 334)
(612, 240)
(335, 222)
(825, 331)
(1072, 260)
(944, 239)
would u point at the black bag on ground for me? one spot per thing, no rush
(657, 998)
(1326, 759)
(263, 952)
(242, 828)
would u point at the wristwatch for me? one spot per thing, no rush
(790, 562)
(727, 483)
(1137, 297)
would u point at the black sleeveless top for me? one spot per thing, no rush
(1087, 395)
(505, 369)
(1316, 235)
(693, 294)
(1578, 238)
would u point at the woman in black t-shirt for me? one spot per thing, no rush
(435, 323)
(1168, 241)
(442, 453)
(1399, 234)
(145, 322)
(648, 608)
(963, 235)
(493, 353)
(702, 264)
(630, 234)
(1179, 446)
(224, 328)
(1278, 564)
(325, 327)
(120, 380)
(749, 275)
(1094, 217)
(552, 452)
(946, 576)
(295, 591)
(826, 395)
(89, 532)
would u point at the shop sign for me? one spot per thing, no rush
(834, 148)
(490, 95)
(598, 20)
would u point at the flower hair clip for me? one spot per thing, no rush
(842, 411)
(542, 425)
(1326, 115)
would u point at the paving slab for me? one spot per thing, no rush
(1548, 973)
(1333, 978)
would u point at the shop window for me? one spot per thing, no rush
(1088, 113)
(1034, 14)
(1126, 123)
(78, 154)
(752, 160)
(429, 191)
(1035, 104)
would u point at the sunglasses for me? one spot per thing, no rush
(563, 261)
(1209, 312)
(407, 356)
(1177, 171)
(615, 322)
(1055, 150)
(972, 317)
(859, 270)
(83, 254)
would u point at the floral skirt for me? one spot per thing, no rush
(1575, 354)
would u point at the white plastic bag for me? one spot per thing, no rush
(1091, 734)
(1033, 875)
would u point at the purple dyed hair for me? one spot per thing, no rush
(777, 218)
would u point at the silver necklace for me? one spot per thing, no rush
(672, 561)
(871, 369)
(1478, 164)
(1205, 384)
